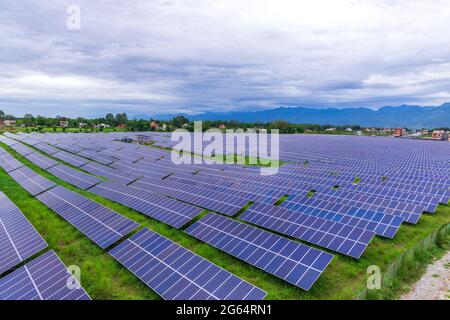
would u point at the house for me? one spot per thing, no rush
(440, 135)
(10, 123)
(399, 132)
(121, 126)
(370, 130)
(330, 129)
(101, 126)
(64, 123)
(154, 125)
(2, 123)
(222, 126)
(82, 125)
(425, 132)
(349, 130)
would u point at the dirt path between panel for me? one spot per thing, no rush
(434, 284)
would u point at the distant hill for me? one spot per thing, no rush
(403, 116)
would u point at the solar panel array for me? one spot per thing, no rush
(75, 177)
(8, 162)
(44, 147)
(169, 211)
(44, 278)
(41, 161)
(212, 200)
(31, 181)
(70, 158)
(18, 238)
(291, 261)
(22, 149)
(338, 191)
(336, 236)
(176, 273)
(98, 223)
(110, 173)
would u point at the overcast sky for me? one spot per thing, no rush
(170, 56)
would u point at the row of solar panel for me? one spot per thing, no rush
(43, 278)
(105, 227)
(354, 251)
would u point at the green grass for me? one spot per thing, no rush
(281, 200)
(411, 272)
(104, 278)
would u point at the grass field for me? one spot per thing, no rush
(104, 278)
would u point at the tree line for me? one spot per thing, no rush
(121, 119)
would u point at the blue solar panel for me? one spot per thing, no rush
(336, 236)
(169, 211)
(98, 223)
(18, 238)
(211, 200)
(176, 273)
(109, 173)
(31, 181)
(70, 146)
(74, 177)
(48, 149)
(41, 161)
(378, 222)
(9, 142)
(9, 163)
(22, 149)
(72, 159)
(44, 278)
(291, 261)
(100, 158)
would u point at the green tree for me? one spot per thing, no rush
(41, 121)
(110, 120)
(283, 126)
(2, 115)
(121, 118)
(179, 121)
(28, 120)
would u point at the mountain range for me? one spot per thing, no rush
(407, 116)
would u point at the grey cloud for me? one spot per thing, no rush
(218, 55)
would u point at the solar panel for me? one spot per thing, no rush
(176, 273)
(110, 173)
(100, 158)
(22, 149)
(336, 236)
(31, 141)
(31, 181)
(98, 223)
(48, 149)
(41, 161)
(211, 200)
(9, 163)
(76, 178)
(70, 146)
(169, 211)
(378, 222)
(44, 278)
(18, 238)
(72, 159)
(291, 261)
(9, 142)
